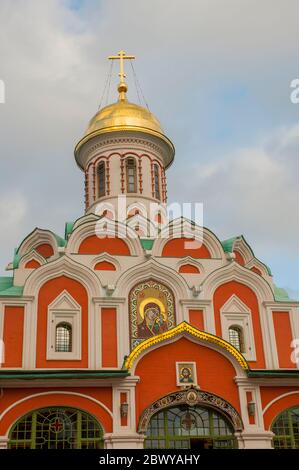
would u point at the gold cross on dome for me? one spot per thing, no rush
(121, 56)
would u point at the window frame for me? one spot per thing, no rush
(64, 309)
(69, 329)
(235, 313)
(239, 330)
(157, 182)
(134, 167)
(101, 191)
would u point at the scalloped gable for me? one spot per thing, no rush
(184, 328)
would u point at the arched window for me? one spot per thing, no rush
(286, 429)
(157, 181)
(131, 175)
(235, 337)
(63, 342)
(101, 177)
(185, 427)
(56, 428)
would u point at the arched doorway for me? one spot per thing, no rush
(190, 419)
(286, 429)
(186, 427)
(56, 428)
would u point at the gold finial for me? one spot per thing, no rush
(122, 86)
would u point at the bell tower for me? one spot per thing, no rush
(124, 152)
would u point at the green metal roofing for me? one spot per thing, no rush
(273, 373)
(281, 294)
(7, 289)
(55, 374)
(5, 282)
(60, 241)
(16, 259)
(68, 229)
(228, 247)
(146, 243)
(228, 244)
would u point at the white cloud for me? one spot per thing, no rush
(192, 57)
(253, 191)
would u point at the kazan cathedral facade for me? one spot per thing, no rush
(129, 332)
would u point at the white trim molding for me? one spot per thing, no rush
(64, 309)
(235, 313)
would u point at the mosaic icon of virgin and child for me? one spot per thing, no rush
(154, 321)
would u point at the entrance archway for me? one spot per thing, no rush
(56, 428)
(190, 418)
(186, 427)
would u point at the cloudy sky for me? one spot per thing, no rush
(216, 73)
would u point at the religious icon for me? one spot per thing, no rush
(154, 321)
(186, 373)
(152, 311)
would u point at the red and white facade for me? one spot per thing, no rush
(120, 370)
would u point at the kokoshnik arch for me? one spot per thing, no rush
(142, 342)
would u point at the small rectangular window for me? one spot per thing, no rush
(157, 181)
(101, 179)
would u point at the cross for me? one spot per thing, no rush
(121, 56)
(57, 425)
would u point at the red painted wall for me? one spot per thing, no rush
(13, 336)
(109, 337)
(94, 245)
(49, 292)
(270, 393)
(189, 268)
(12, 396)
(239, 258)
(248, 297)
(45, 249)
(283, 335)
(157, 371)
(180, 247)
(196, 319)
(32, 264)
(104, 266)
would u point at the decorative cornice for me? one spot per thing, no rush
(184, 327)
(122, 140)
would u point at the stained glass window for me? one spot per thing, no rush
(56, 428)
(286, 429)
(185, 427)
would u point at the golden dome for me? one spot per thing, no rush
(124, 115)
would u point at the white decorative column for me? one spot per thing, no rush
(3, 442)
(254, 435)
(124, 435)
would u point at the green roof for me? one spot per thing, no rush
(5, 282)
(273, 373)
(228, 244)
(7, 289)
(68, 229)
(60, 241)
(281, 294)
(55, 374)
(146, 243)
(16, 259)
